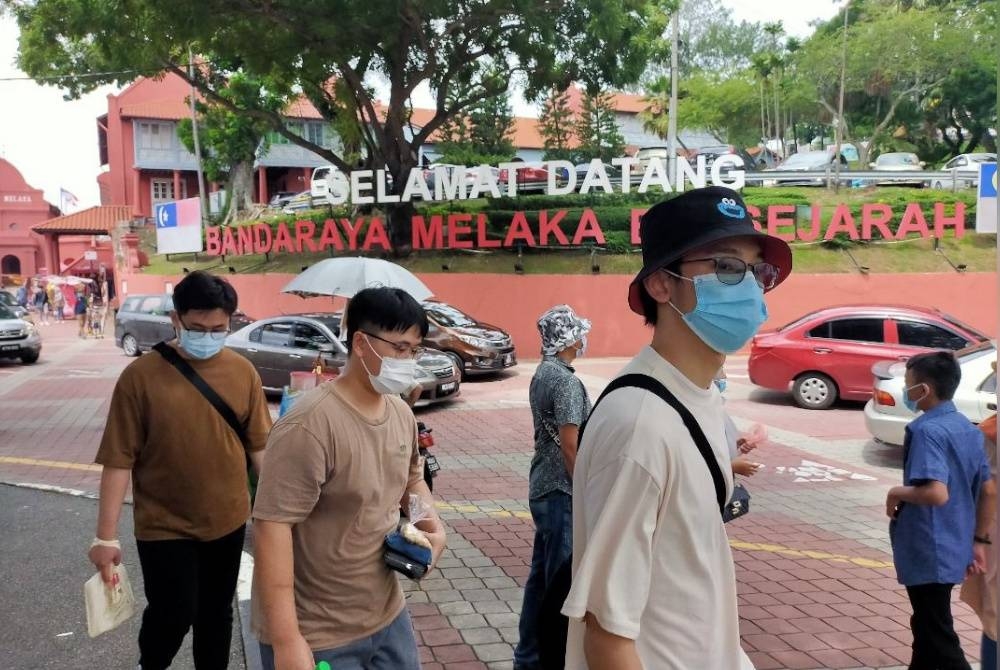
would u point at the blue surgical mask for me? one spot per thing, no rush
(720, 384)
(909, 402)
(201, 345)
(726, 316)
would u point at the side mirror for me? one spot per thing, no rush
(923, 163)
(326, 348)
(871, 165)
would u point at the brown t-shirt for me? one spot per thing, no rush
(338, 478)
(189, 476)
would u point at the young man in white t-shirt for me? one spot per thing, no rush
(653, 579)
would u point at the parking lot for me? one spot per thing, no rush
(816, 584)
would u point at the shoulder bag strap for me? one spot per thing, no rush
(650, 384)
(189, 373)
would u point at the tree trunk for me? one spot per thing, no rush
(399, 218)
(240, 194)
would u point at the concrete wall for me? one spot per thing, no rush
(515, 302)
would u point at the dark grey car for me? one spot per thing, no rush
(144, 320)
(280, 345)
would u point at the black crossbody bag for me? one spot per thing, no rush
(225, 411)
(553, 625)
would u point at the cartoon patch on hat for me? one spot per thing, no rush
(729, 207)
(560, 327)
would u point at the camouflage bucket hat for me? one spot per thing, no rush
(560, 327)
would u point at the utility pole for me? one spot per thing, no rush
(840, 105)
(672, 119)
(202, 195)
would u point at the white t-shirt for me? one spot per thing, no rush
(651, 560)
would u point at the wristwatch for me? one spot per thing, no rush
(982, 540)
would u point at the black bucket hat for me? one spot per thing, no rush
(693, 219)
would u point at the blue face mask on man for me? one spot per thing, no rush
(201, 344)
(910, 403)
(725, 316)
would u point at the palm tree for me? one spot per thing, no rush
(656, 116)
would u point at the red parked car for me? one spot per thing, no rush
(828, 354)
(531, 177)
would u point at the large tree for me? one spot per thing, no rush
(480, 136)
(336, 52)
(556, 123)
(895, 57)
(597, 128)
(229, 141)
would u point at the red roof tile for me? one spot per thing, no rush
(93, 221)
(171, 110)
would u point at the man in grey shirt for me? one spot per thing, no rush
(559, 406)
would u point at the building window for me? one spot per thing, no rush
(163, 190)
(154, 135)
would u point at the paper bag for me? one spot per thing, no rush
(108, 605)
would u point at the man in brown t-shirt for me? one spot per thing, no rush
(338, 468)
(189, 478)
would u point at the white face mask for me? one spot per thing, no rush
(396, 376)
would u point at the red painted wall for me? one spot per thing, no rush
(515, 302)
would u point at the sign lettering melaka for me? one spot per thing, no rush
(462, 230)
(555, 228)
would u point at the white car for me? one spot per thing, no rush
(328, 186)
(976, 397)
(898, 161)
(964, 169)
(18, 338)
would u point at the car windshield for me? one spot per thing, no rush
(6, 312)
(651, 153)
(975, 351)
(982, 158)
(980, 335)
(897, 159)
(448, 316)
(807, 159)
(7, 299)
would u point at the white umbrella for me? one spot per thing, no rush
(347, 276)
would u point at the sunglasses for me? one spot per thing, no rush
(731, 270)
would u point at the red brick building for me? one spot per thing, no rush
(22, 251)
(147, 164)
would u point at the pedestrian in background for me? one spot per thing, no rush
(188, 468)
(80, 311)
(559, 406)
(654, 585)
(58, 302)
(942, 514)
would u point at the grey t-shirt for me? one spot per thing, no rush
(558, 398)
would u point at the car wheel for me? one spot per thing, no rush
(458, 362)
(28, 359)
(814, 390)
(130, 346)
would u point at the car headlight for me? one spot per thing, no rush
(474, 341)
(423, 374)
(30, 329)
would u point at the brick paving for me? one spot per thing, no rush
(816, 586)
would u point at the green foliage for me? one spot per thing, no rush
(326, 52)
(597, 128)
(728, 108)
(482, 136)
(556, 126)
(618, 242)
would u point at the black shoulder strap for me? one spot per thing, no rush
(650, 384)
(211, 396)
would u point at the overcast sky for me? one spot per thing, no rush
(54, 142)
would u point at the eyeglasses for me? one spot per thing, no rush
(401, 348)
(731, 270)
(201, 334)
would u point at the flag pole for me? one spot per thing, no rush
(202, 196)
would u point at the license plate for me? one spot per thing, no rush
(447, 388)
(432, 464)
(10, 347)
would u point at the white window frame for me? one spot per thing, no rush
(168, 189)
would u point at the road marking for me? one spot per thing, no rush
(807, 553)
(65, 465)
(735, 544)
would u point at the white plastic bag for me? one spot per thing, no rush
(108, 605)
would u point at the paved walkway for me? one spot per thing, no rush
(816, 585)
